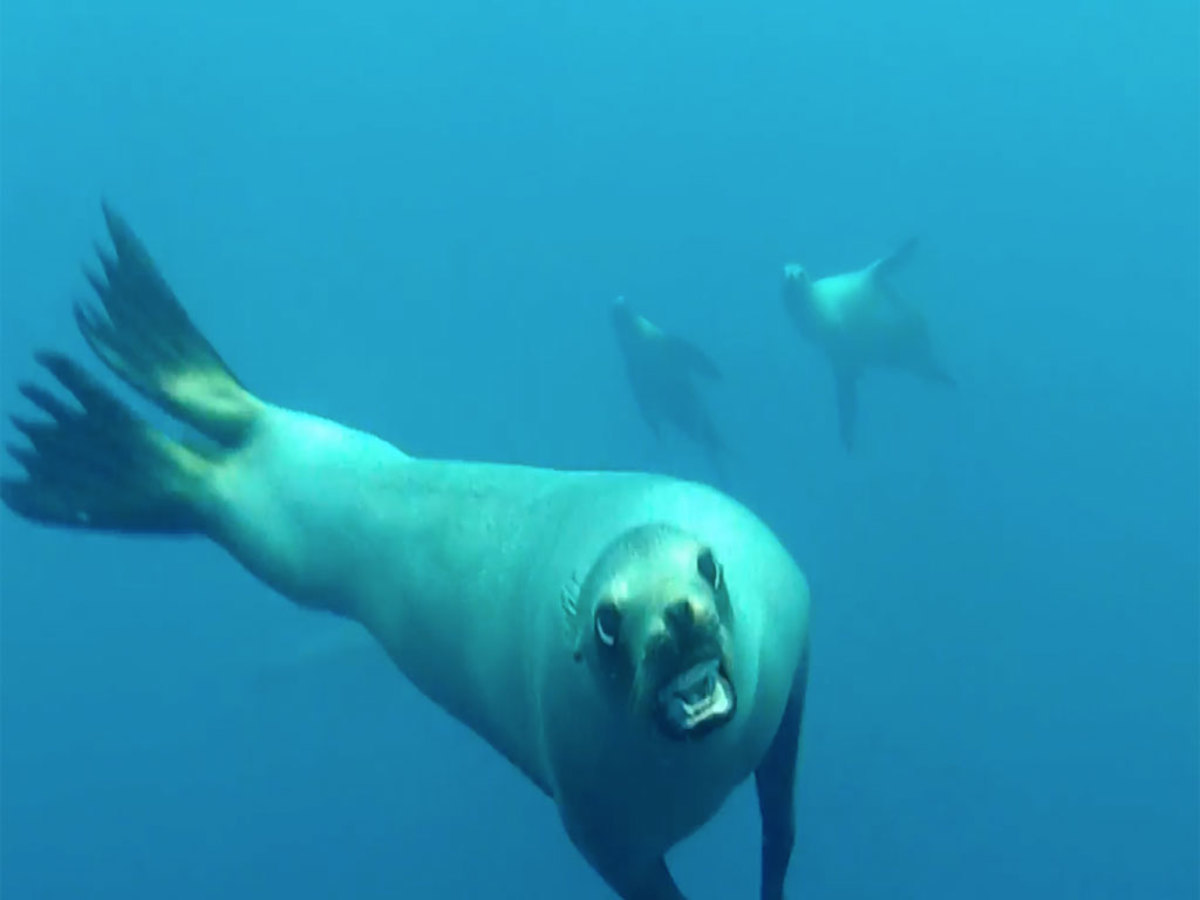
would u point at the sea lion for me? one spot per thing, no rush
(636, 645)
(663, 371)
(860, 321)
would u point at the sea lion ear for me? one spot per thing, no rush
(709, 569)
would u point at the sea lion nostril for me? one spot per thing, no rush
(681, 612)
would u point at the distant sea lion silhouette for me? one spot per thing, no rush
(861, 322)
(635, 644)
(663, 372)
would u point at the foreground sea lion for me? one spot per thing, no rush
(635, 644)
(860, 322)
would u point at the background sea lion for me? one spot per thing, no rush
(636, 645)
(860, 321)
(663, 372)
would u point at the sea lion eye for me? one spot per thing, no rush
(709, 570)
(608, 623)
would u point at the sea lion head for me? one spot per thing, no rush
(796, 279)
(656, 628)
(796, 290)
(796, 285)
(623, 318)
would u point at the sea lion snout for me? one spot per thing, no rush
(682, 614)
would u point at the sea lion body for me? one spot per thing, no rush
(861, 322)
(458, 570)
(521, 600)
(665, 373)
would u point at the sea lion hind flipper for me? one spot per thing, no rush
(775, 783)
(147, 338)
(101, 467)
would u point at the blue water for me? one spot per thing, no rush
(412, 216)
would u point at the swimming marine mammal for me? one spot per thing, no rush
(860, 321)
(664, 370)
(636, 645)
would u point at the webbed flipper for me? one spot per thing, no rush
(150, 342)
(100, 466)
(775, 782)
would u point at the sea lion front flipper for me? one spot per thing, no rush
(887, 266)
(663, 886)
(693, 358)
(775, 781)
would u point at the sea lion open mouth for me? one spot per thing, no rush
(697, 701)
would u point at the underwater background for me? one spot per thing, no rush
(412, 217)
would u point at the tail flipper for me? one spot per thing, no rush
(150, 342)
(100, 467)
